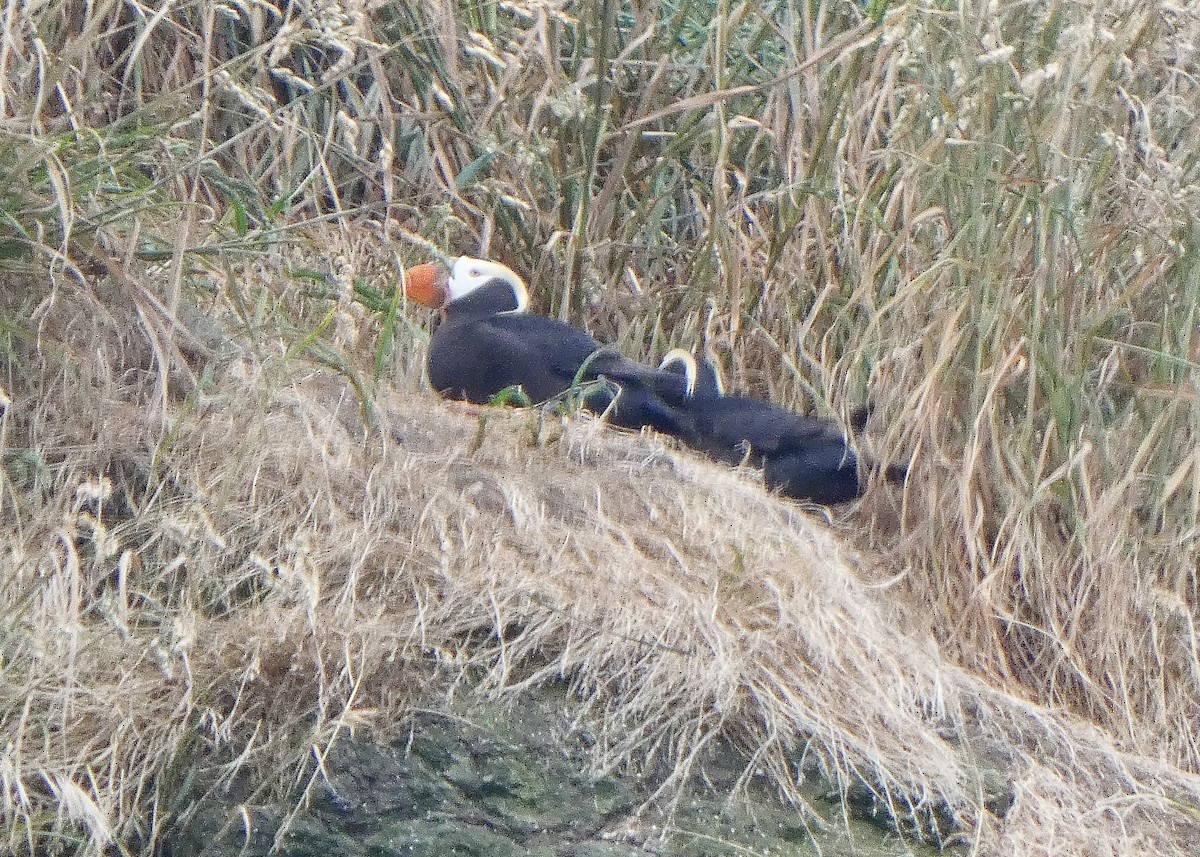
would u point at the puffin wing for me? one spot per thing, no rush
(734, 422)
(561, 347)
(478, 358)
(571, 353)
(825, 472)
(644, 396)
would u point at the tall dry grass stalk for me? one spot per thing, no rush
(979, 218)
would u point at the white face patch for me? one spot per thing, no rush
(468, 274)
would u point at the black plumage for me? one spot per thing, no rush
(803, 458)
(743, 428)
(487, 343)
(825, 472)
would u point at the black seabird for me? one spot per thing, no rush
(804, 458)
(487, 343)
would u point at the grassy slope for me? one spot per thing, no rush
(982, 222)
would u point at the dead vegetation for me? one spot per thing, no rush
(263, 577)
(984, 223)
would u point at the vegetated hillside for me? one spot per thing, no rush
(255, 569)
(981, 220)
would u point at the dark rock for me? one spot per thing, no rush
(416, 838)
(485, 780)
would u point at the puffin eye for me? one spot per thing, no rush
(474, 273)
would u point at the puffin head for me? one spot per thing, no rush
(680, 361)
(468, 274)
(701, 378)
(426, 285)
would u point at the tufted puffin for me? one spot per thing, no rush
(487, 342)
(804, 458)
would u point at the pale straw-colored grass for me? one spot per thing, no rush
(261, 575)
(981, 219)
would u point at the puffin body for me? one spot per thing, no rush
(825, 472)
(739, 428)
(487, 342)
(804, 458)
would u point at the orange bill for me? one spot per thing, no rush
(425, 285)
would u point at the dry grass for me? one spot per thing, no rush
(262, 577)
(982, 222)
